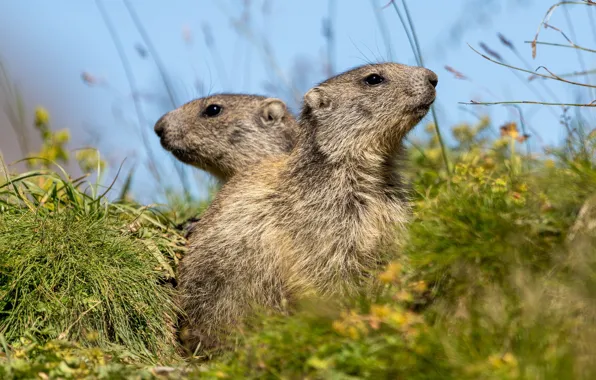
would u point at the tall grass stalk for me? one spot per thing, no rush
(580, 57)
(156, 57)
(561, 45)
(518, 76)
(130, 78)
(529, 102)
(178, 166)
(331, 11)
(152, 162)
(215, 55)
(415, 45)
(551, 76)
(383, 28)
(15, 111)
(267, 55)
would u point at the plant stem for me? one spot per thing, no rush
(16, 112)
(153, 51)
(562, 45)
(552, 76)
(383, 29)
(418, 55)
(178, 166)
(529, 102)
(523, 127)
(408, 34)
(331, 37)
(414, 35)
(130, 79)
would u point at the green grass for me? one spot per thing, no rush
(74, 267)
(80, 278)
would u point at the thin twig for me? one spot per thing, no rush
(573, 74)
(519, 56)
(531, 72)
(580, 57)
(517, 75)
(472, 102)
(549, 14)
(561, 45)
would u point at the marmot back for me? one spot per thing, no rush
(226, 134)
(317, 220)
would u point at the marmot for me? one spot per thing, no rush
(226, 134)
(317, 220)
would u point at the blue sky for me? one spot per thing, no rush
(47, 45)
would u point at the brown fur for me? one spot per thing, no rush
(248, 129)
(317, 220)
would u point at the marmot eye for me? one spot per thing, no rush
(212, 110)
(373, 79)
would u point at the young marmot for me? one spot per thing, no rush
(317, 220)
(228, 133)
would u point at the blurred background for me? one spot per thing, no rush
(106, 70)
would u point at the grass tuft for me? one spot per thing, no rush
(74, 267)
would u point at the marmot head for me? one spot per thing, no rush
(369, 108)
(227, 133)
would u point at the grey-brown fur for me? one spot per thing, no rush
(317, 220)
(248, 129)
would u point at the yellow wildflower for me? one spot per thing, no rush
(429, 128)
(509, 129)
(380, 311)
(391, 274)
(499, 185)
(404, 296)
(92, 336)
(42, 116)
(509, 359)
(419, 286)
(495, 361)
(461, 169)
(397, 318)
(62, 136)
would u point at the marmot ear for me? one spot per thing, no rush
(272, 111)
(317, 98)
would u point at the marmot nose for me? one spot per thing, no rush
(160, 126)
(432, 78)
